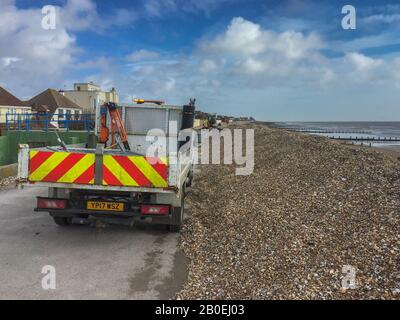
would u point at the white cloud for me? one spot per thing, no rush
(155, 7)
(247, 62)
(160, 8)
(386, 14)
(363, 63)
(79, 15)
(6, 61)
(396, 69)
(244, 37)
(244, 56)
(252, 66)
(382, 18)
(123, 17)
(296, 45)
(366, 42)
(248, 49)
(241, 37)
(170, 84)
(101, 63)
(207, 65)
(33, 57)
(142, 54)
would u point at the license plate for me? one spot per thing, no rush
(105, 206)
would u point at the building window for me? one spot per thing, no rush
(79, 88)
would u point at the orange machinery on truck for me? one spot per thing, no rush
(118, 133)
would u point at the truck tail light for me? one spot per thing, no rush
(44, 203)
(154, 210)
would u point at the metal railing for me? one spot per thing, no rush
(46, 121)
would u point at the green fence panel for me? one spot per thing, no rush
(4, 151)
(37, 139)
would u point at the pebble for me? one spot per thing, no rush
(5, 182)
(287, 230)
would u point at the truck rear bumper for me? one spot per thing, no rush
(132, 212)
(128, 219)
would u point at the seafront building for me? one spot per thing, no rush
(55, 105)
(90, 95)
(9, 104)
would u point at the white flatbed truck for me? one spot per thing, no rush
(114, 186)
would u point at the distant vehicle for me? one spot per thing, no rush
(211, 121)
(116, 183)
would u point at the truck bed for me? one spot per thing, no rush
(114, 170)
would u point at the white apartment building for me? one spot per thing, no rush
(90, 95)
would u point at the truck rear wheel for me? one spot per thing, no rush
(177, 227)
(190, 179)
(63, 222)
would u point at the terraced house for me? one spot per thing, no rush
(56, 105)
(9, 104)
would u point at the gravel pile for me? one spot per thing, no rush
(311, 207)
(5, 182)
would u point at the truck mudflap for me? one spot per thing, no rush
(102, 169)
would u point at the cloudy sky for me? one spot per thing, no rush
(274, 60)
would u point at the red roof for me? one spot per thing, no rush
(7, 99)
(51, 100)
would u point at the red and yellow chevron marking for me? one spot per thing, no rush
(62, 167)
(135, 171)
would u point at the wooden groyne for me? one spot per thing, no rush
(370, 139)
(329, 131)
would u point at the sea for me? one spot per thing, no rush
(351, 130)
